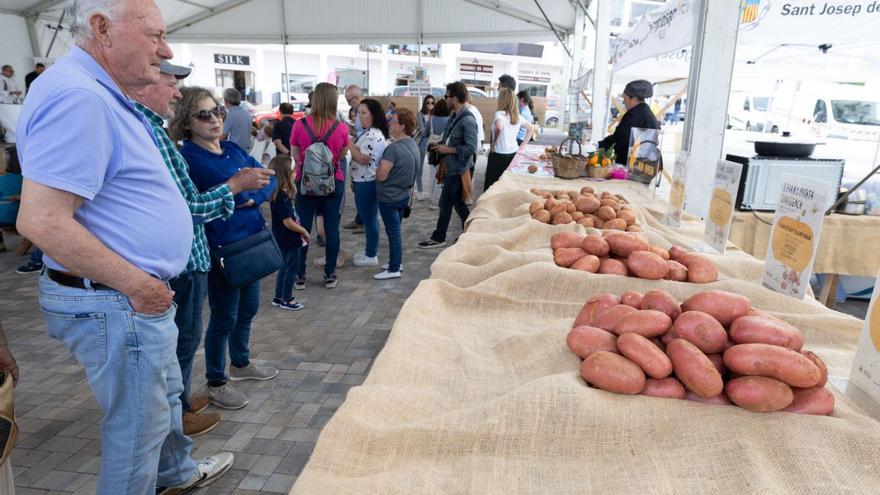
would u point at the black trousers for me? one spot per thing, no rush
(495, 166)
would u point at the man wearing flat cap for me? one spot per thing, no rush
(638, 114)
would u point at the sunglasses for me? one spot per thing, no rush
(205, 115)
(430, 103)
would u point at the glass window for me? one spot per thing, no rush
(761, 103)
(637, 10)
(534, 89)
(820, 111)
(855, 112)
(300, 83)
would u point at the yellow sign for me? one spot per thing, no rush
(676, 195)
(793, 243)
(721, 207)
(874, 325)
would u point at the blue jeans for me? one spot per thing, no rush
(392, 216)
(132, 369)
(36, 256)
(232, 311)
(450, 198)
(189, 289)
(329, 207)
(287, 274)
(365, 201)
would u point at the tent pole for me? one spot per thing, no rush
(284, 50)
(600, 70)
(55, 34)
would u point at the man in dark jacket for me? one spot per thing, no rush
(638, 114)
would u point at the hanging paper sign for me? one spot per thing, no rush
(676, 193)
(866, 367)
(794, 236)
(720, 215)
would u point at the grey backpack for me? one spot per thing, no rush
(319, 171)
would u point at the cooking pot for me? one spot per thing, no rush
(785, 146)
(855, 202)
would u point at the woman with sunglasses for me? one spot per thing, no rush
(199, 123)
(424, 126)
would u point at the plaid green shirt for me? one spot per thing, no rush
(212, 204)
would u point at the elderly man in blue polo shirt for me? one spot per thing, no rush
(99, 201)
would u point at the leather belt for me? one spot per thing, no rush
(69, 280)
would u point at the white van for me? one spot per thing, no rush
(747, 111)
(825, 110)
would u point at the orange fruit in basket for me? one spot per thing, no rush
(594, 159)
(605, 162)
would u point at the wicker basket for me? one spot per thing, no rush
(568, 166)
(598, 172)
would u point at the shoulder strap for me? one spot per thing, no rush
(330, 132)
(309, 130)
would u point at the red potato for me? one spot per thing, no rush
(667, 388)
(534, 207)
(610, 202)
(566, 240)
(627, 216)
(612, 266)
(647, 265)
(677, 271)
(659, 343)
(661, 301)
(814, 400)
(823, 370)
(659, 251)
(608, 318)
(606, 213)
(615, 224)
(719, 399)
(722, 305)
(633, 228)
(588, 263)
(676, 252)
(586, 190)
(613, 372)
(565, 257)
(623, 244)
(759, 393)
(595, 244)
(645, 322)
(763, 330)
(570, 208)
(577, 216)
(585, 340)
(694, 369)
(595, 305)
(654, 362)
(701, 270)
(542, 216)
(631, 298)
(702, 330)
(772, 361)
(562, 219)
(587, 204)
(668, 337)
(598, 222)
(556, 209)
(606, 195)
(718, 361)
(585, 222)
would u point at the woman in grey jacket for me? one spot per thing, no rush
(424, 125)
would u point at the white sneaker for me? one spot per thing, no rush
(420, 196)
(322, 261)
(386, 275)
(361, 259)
(385, 267)
(209, 470)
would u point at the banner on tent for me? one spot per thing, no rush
(809, 22)
(658, 32)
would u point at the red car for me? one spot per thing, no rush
(272, 116)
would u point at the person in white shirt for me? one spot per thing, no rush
(503, 143)
(9, 90)
(481, 136)
(366, 152)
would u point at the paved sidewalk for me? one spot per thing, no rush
(321, 351)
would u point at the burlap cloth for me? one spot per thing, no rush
(847, 245)
(476, 391)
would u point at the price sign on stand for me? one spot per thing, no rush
(866, 366)
(794, 237)
(676, 193)
(727, 175)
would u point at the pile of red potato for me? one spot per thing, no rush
(630, 254)
(712, 348)
(605, 211)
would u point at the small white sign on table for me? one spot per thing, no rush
(794, 237)
(718, 220)
(866, 366)
(676, 193)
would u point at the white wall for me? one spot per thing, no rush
(15, 46)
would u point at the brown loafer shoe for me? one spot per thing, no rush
(199, 424)
(198, 403)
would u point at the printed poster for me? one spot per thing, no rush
(794, 237)
(676, 193)
(720, 215)
(866, 366)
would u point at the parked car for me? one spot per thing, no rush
(747, 111)
(272, 116)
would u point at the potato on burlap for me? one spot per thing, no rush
(585, 340)
(645, 322)
(773, 361)
(668, 388)
(694, 369)
(823, 370)
(676, 252)
(647, 265)
(815, 400)
(702, 330)
(720, 399)
(627, 216)
(565, 257)
(613, 372)
(722, 305)
(608, 318)
(759, 393)
(763, 330)
(595, 244)
(586, 222)
(535, 207)
(542, 216)
(661, 300)
(654, 362)
(677, 271)
(587, 204)
(623, 244)
(631, 298)
(566, 240)
(615, 224)
(588, 263)
(606, 213)
(561, 218)
(612, 266)
(701, 270)
(595, 305)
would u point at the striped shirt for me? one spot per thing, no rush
(212, 204)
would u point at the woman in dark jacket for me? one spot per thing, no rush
(638, 114)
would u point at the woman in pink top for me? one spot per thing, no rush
(320, 121)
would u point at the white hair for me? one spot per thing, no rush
(80, 11)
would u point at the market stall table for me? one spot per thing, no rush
(9, 119)
(476, 391)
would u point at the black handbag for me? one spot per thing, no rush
(248, 260)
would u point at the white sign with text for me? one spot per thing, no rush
(866, 366)
(676, 191)
(720, 215)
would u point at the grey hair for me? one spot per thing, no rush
(80, 11)
(232, 96)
